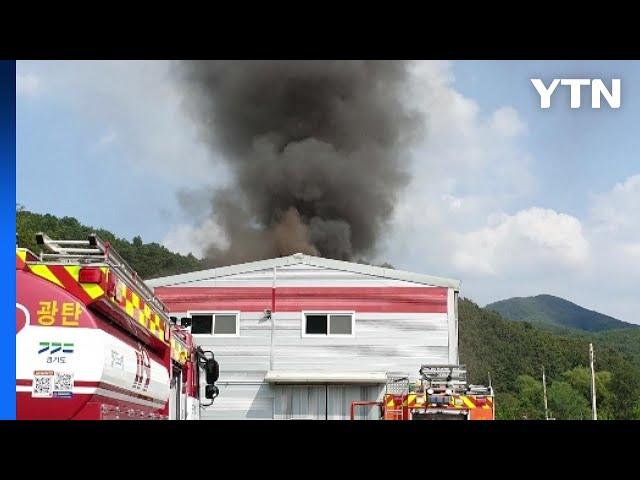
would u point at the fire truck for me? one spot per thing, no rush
(94, 343)
(441, 393)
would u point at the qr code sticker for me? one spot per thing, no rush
(42, 384)
(63, 382)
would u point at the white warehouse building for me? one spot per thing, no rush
(301, 337)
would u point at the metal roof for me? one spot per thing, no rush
(299, 258)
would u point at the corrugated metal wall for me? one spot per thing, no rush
(382, 342)
(250, 401)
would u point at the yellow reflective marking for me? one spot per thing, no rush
(92, 289)
(44, 272)
(468, 402)
(154, 324)
(74, 271)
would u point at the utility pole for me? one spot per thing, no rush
(544, 391)
(593, 383)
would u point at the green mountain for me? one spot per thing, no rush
(547, 310)
(513, 354)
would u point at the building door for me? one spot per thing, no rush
(339, 398)
(300, 402)
(323, 402)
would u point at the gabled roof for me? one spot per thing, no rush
(299, 258)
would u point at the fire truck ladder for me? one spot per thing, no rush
(95, 250)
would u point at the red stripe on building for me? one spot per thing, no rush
(364, 299)
(247, 299)
(273, 299)
(294, 299)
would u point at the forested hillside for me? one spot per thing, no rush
(148, 259)
(514, 353)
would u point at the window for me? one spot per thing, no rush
(340, 325)
(201, 324)
(316, 325)
(327, 324)
(223, 324)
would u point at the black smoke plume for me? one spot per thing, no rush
(316, 150)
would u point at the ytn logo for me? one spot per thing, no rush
(598, 90)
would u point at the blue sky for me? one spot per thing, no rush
(594, 148)
(511, 199)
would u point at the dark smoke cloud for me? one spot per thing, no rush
(315, 149)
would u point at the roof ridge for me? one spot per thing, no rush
(301, 258)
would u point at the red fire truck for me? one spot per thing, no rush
(93, 342)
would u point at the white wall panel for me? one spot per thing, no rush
(382, 342)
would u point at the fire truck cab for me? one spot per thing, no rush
(93, 341)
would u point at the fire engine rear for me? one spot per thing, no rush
(441, 393)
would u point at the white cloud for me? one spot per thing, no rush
(506, 122)
(463, 152)
(614, 223)
(618, 210)
(27, 84)
(187, 239)
(468, 166)
(531, 240)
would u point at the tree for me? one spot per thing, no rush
(531, 397)
(580, 379)
(508, 407)
(625, 385)
(566, 403)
